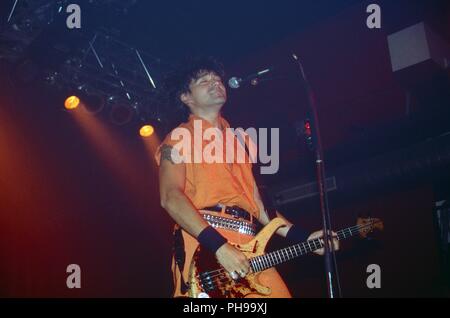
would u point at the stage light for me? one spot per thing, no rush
(93, 103)
(92, 100)
(72, 102)
(121, 112)
(52, 78)
(146, 130)
(308, 133)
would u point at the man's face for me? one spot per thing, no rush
(205, 92)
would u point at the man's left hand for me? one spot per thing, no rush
(319, 234)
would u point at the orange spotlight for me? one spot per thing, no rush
(146, 130)
(71, 102)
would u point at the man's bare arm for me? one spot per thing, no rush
(171, 186)
(173, 199)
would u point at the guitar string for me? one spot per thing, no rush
(351, 229)
(226, 279)
(302, 249)
(220, 278)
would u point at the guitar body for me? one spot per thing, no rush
(208, 280)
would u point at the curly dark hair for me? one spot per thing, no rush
(176, 83)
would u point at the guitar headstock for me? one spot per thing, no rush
(368, 225)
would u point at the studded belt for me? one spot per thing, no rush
(240, 226)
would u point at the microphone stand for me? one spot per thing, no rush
(315, 144)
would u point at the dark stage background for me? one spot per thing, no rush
(70, 194)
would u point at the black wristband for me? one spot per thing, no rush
(296, 234)
(211, 239)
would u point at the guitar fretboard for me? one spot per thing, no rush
(263, 262)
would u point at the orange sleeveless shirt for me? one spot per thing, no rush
(208, 184)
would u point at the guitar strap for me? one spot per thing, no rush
(271, 211)
(241, 136)
(179, 255)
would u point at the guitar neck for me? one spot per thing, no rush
(263, 262)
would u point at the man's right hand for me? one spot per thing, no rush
(233, 260)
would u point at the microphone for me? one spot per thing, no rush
(236, 82)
